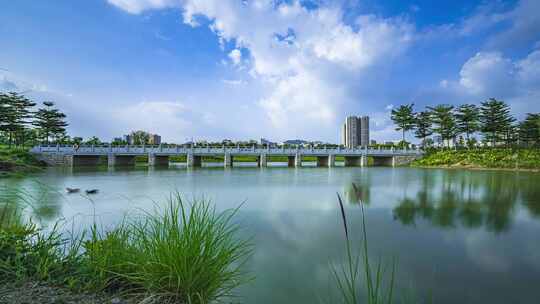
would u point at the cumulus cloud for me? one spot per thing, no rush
(308, 62)
(235, 56)
(490, 74)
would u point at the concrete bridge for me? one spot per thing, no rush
(159, 155)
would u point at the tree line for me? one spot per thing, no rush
(21, 122)
(459, 124)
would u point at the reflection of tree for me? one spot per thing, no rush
(359, 194)
(476, 199)
(530, 193)
(443, 215)
(406, 212)
(471, 214)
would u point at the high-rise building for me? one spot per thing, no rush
(355, 132)
(154, 139)
(364, 131)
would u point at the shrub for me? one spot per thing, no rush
(188, 254)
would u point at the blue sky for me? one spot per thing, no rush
(214, 69)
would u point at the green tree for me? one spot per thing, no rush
(15, 112)
(529, 129)
(50, 122)
(444, 121)
(423, 126)
(468, 120)
(94, 140)
(404, 118)
(139, 138)
(496, 120)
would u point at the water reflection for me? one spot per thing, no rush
(460, 236)
(470, 199)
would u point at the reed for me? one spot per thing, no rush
(378, 285)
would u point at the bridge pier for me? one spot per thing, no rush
(331, 160)
(261, 161)
(158, 160)
(193, 160)
(228, 160)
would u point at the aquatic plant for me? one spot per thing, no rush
(378, 287)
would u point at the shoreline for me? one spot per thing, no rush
(476, 168)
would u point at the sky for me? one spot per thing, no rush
(275, 69)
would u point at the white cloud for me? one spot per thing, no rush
(137, 6)
(308, 62)
(488, 73)
(236, 56)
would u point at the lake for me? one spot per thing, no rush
(458, 236)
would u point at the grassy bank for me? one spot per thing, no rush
(482, 158)
(15, 161)
(186, 253)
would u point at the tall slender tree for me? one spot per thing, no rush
(16, 112)
(423, 125)
(529, 129)
(50, 122)
(444, 121)
(496, 120)
(404, 118)
(467, 120)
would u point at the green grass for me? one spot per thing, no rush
(483, 158)
(378, 283)
(185, 253)
(16, 160)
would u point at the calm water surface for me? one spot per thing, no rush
(459, 236)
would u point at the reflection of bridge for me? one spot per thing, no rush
(159, 155)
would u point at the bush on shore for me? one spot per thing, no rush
(483, 158)
(17, 160)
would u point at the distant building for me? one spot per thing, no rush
(128, 139)
(154, 139)
(355, 132)
(373, 142)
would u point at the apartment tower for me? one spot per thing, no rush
(355, 132)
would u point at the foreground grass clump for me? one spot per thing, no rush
(27, 253)
(182, 256)
(186, 253)
(483, 158)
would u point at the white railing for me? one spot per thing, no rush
(171, 150)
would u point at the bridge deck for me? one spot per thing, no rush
(210, 151)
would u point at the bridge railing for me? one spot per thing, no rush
(176, 149)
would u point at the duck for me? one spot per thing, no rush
(92, 191)
(72, 190)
